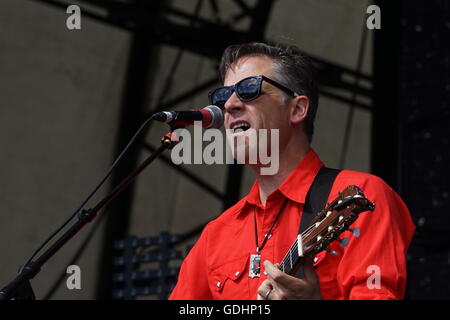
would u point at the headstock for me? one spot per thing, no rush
(337, 217)
(326, 227)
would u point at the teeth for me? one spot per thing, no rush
(241, 126)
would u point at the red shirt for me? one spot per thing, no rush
(217, 267)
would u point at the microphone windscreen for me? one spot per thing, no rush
(216, 115)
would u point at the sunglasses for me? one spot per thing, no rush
(247, 89)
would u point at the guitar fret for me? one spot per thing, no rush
(290, 259)
(295, 255)
(288, 267)
(284, 263)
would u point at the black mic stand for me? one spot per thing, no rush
(20, 288)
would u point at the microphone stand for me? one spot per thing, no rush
(20, 288)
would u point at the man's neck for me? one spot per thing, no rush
(288, 162)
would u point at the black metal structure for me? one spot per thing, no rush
(411, 138)
(133, 280)
(386, 113)
(157, 23)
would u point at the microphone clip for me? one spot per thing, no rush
(170, 139)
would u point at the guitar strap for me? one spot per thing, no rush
(317, 195)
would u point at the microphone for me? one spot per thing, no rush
(210, 116)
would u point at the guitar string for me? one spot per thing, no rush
(306, 233)
(294, 247)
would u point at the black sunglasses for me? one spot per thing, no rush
(247, 89)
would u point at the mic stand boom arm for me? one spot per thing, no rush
(20, 287)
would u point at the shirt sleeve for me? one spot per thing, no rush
(373, 266)
(192, 281)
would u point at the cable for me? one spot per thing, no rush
(73, 260)
(91, 194)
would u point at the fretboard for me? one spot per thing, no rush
(292, 256)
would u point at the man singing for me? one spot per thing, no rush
(274, 87)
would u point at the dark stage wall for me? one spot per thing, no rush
(412, 75)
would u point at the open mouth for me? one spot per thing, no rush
(240, 126)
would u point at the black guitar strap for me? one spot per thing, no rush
(317, 195)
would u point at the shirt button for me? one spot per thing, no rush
(315, 259)
(237, 273)
(218, 284)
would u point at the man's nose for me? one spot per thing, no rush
(233, 104)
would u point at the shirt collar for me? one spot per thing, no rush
(296, 185)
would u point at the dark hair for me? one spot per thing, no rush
(292, 68)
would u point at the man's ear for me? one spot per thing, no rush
(299, 109)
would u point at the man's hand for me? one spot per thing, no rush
(281, 286)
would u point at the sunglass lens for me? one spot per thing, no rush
(220, 96)
(248, 89)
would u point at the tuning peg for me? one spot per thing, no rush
(334, 253)
(356, 232)
(344, 242)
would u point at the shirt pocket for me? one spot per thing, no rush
(227, 281)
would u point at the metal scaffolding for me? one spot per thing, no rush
(153, 24)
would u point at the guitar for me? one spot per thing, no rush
(326, 227)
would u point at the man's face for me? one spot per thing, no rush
(268, 111)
